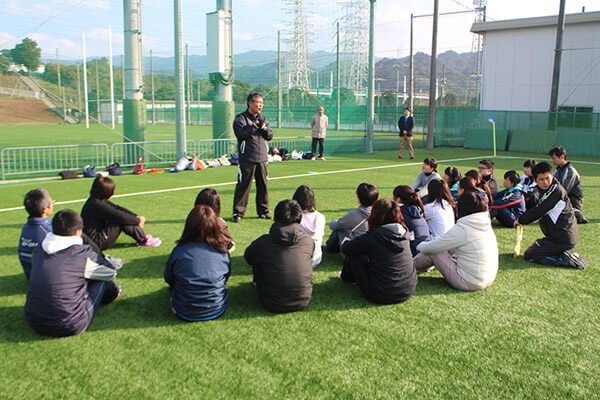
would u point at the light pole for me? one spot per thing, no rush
(397, 68)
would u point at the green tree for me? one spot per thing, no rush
(27, 53)
(450, 100)
(4, 63)
(266, 90)
(240, 92)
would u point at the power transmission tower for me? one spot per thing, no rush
(354, 48)
(473, 88)
(297, 62)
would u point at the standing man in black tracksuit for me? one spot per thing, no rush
(406, 125)
(569, 178)
(252, 131)
(557, 221)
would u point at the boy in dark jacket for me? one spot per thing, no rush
(39, 206)
(486, 171)
(354, 223)
(557, 221)
(282, 262)
(569, 178)
(509, 204)
(68, 280)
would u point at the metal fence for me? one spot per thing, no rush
(154, 153)
(19, 161)
(42, 159)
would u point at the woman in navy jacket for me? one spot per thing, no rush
(509, 204)
(413, 213)
(199, 267)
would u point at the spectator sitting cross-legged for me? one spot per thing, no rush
(104, 221)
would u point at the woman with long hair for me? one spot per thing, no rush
(210, 197)
(451, 176)
(380, 261)
(481, 184)
(474, 263)
(313, 222)
(199, 267)
(413, 213)
(104, 221)
(439, 208)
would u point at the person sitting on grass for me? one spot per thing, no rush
(313, 222)
(509, 204)
(210, 197)
(104, 221)
(486, 171)
(569, 178)
(282, 262)
(557, 220)
(481, 184)
(468, 185)
(439, 208)
(354, 223)
(428, 173)
(528, 183)
(198, 267)
(68, 282)
(452, 175)
(413, 214)
(380, 261)
(39, 206)
(474, 263)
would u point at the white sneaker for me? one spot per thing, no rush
(117, 263)
(322, 158)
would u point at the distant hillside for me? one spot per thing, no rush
(22, 111)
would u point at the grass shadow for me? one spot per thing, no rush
(152, 267)
(11, 285)
(9, 251)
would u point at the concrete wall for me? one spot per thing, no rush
(518, 63)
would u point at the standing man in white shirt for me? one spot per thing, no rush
(319, 123)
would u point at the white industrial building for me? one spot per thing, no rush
(518, 61)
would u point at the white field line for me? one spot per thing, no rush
(271, 179)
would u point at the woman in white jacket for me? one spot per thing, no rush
(474, 263)
(313, 222)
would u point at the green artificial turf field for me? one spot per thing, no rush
(535, 333)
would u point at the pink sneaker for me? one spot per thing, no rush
(150, 242)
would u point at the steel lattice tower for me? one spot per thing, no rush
(297, 61)
(354, 31)
(477, 51)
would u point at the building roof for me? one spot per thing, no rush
(523, 23)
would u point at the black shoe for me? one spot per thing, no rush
(581, 219)
(575, 260)
(236, 218)
(265, 216)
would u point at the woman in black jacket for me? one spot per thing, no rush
(413, 214)
(103, 221)
(380, 261)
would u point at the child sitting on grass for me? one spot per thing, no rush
(557, 221)
(39, 206)
(466, 255)
(413, 214)
(68, 280)
(313, 222)
(380, 261)
(354, 223)
(198, 267)
(427, 174)
(509, 204)
(281, 262)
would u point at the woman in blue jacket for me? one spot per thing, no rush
(199, 267)
(413, 213)
(509, 204)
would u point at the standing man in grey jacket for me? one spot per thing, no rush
(319, 123)
(252, 131)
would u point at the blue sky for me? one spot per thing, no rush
(59, 24)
